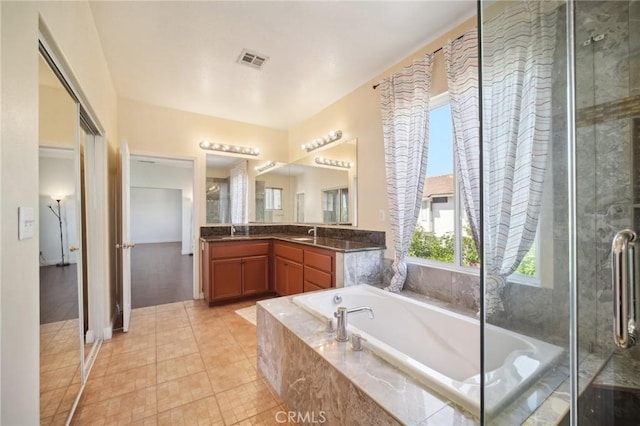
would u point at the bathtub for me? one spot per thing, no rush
(439, 348)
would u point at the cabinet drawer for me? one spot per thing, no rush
(318, 278)
(229, 250)
(311, 287)
(288, 252)
(319, 260)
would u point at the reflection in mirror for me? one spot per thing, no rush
(273, 195)
(60, 265)
(226, 189)
(324, 184)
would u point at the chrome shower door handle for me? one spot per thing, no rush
(624, 288)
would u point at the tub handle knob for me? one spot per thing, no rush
(356, 342)
(337, 299)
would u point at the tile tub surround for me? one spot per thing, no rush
(363, 267)
(312, 372)
(459, 289)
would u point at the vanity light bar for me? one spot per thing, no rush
(334, 163)
(333, 136)
(236, 149)
(265, 166)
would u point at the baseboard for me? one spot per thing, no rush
(55, 262)
(90, 336)
(107, 333)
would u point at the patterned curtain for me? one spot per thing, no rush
(239, 182)
(404, 99)
(517, 56)
(461, 59)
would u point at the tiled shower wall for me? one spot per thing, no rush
(607, 134)
(608, 85)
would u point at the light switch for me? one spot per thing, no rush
(26, 222)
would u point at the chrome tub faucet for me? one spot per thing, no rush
(341, 315)
(233, 230)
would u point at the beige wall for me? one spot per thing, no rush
(162, 131)
(57, 123)
(71, 25)
(358, 116)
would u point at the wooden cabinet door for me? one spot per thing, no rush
(226, 277)
(255, 274)
(294, 278)
(280, 276)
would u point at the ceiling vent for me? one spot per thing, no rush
(252, 59)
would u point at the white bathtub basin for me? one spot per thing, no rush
(439, 348)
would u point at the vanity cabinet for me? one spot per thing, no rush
(300, 268)
(288, 275)
(236, 269)
(319, 269)
(233, 270)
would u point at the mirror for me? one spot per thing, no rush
(309, 190)
(61, 228)
(225, 205)
(325, 185)
(272, 194)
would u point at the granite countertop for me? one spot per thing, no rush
(320, 242)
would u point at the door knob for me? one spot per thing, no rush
(130, 245)
(74, 248)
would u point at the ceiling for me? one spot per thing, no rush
(182, 54)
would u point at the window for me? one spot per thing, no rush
(442, 234)
(273, 198)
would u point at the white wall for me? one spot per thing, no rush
(57, 178)
(156, 215)
(443, 217)
(71, 25)
(158, 175)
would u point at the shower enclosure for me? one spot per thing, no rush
(560, 90)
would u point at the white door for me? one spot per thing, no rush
(125, 238)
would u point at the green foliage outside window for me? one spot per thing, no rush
(528, 264)
(427, 245)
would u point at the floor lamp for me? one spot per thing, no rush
(59, 216)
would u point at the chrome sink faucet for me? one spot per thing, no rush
(341, 315)
(313, 231)
(233, 230)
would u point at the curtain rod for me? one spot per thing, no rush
(375, 86)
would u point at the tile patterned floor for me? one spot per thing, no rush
(180, 364)
(59, 370)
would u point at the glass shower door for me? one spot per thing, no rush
(607, 128)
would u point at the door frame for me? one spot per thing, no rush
(195, 211)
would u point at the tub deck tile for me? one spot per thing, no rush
(295, 354)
